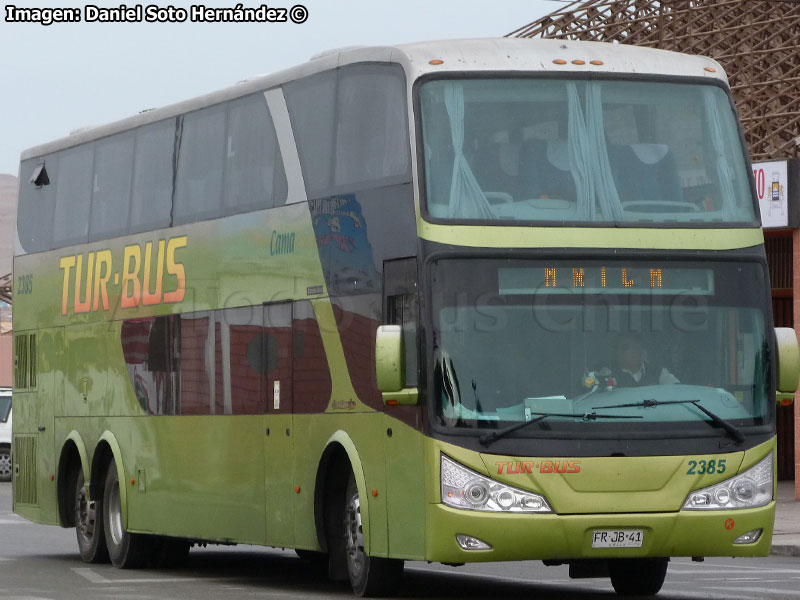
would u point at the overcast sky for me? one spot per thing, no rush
(59, 78)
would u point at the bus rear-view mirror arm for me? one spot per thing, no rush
(788, 364)
(390, 367)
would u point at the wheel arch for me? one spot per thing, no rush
(72, 456)
(340, 450)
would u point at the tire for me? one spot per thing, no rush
(126, 550)
(637, 576)
(370, 576)
(89, 523)
(6, 470)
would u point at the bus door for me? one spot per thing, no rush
(279, 430)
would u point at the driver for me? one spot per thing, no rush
(633, 370)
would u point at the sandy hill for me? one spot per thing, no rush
(8, 215)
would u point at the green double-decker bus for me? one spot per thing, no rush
(462, 301)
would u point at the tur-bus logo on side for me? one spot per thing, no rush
(139, 262)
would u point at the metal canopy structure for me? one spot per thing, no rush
(756, 41)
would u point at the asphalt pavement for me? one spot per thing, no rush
(786, 537)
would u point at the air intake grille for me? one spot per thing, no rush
(25, 361)
(24, 457)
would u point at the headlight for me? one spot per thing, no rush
(750, 489)
(464, 488)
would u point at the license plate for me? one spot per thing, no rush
(617, 538)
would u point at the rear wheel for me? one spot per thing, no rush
(126, 550)
(369, 575)
(637, 576)
(5, 464)
(89, 523)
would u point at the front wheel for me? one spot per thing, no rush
(5, 464)
(126, 550)
(637, 576)
(369, 575)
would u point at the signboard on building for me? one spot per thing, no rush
(772, 190)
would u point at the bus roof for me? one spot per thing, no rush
(476, 55)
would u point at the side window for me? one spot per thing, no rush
(73, 195)
(151, 201)
(151, 347)
(36, 206)
(372, 129)
(312, 106)
(351, 128)
(111, 187)
(254, 176)
(401, 308)
(198, 188)
(197, 363)
(246, 343)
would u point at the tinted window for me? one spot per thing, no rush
(254, 176)
(352, 133)
(312, 108)
(200, 166)
(197, 364)
(36, 205)
(111, 187)
(73, 196)
(372, 132)
(151, 202)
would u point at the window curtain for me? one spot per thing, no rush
(466, 198)
(605, 189)
(580, 159)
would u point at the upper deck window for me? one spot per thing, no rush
(582, 151)
(351, 128)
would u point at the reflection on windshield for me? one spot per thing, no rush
(609, 151)
(506, 355)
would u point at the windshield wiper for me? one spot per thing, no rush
(734, 431)
(590, 416)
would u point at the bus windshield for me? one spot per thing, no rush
(638, 347)
(528, 149)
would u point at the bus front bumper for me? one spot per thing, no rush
(564, 537)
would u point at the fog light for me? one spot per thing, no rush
(467, 542)
(751, 537)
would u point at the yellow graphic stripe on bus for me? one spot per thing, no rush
(485, 236)
(343, 396)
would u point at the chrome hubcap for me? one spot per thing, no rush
(85, 514)
(354, 536)
(115, 515)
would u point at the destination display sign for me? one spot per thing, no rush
(562, 277)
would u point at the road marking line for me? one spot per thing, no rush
(94, 577)
(757, 590)
(90, 575)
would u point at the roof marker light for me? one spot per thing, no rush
(710, 69)
(596, 63)
(559, 61)
(436, 61)
(577, 61)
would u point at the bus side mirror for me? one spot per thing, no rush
(788, 364)
(390, 367)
